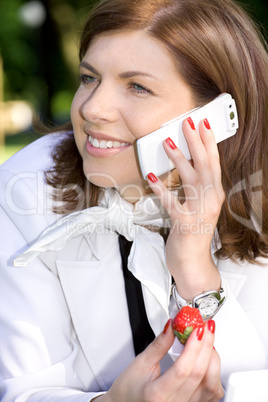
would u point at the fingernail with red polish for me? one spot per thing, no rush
(190, 121)
(167, 326)
(211, 326)
(171, 143)
(152, 177)
(207, 125)
(200, 333)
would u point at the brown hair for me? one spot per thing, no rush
(217, 49)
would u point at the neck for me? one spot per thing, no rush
(134, 193)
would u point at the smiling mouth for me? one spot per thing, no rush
(106, 144)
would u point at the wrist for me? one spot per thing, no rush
(196, 278)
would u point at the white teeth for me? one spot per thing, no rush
(105, 144)
(95, 143)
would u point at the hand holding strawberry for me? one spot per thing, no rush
(199, 382)
(187, 319)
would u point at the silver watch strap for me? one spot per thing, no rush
(181, 302)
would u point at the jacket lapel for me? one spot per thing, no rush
(89, 269)
(95, 294)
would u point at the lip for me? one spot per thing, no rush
(103, 152)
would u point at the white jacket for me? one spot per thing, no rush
(64, 327)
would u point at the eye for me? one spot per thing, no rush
(87, 79)
(140, 89)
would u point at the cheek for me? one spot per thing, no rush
(76, 123)
(74, 109)
(147, 123)
(141, 121)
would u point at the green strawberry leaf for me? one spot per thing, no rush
(183, 337)
(188, 331)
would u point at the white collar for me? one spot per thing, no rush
(113, 213)
(116, 214)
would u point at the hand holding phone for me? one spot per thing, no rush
(222, 116)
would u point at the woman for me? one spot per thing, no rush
(68, 330)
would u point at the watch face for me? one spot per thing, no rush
(208, 306)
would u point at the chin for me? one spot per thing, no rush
(132, 190)
(101, 179)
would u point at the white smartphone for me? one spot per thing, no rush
(222, 116)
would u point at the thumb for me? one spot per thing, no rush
(160, 345)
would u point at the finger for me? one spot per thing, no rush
(159, 347)
(204, 356)
(173, 380)
(202, 360)
(208, 139)
(184, 167)
(208, 178)
(210, 388)
(196, 146)
(212, 380)
(193, 180)
(194, 195)
(169, 201)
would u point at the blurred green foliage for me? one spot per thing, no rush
(41, 63)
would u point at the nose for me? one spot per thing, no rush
(100, 105)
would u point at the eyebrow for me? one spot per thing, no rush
(131, 74)
(88, 67)
(124, 75)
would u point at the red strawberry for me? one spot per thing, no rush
(187, 319)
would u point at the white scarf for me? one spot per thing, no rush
(116, 214)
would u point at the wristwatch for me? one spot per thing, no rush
(208, 303)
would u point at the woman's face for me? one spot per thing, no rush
(129, 88)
